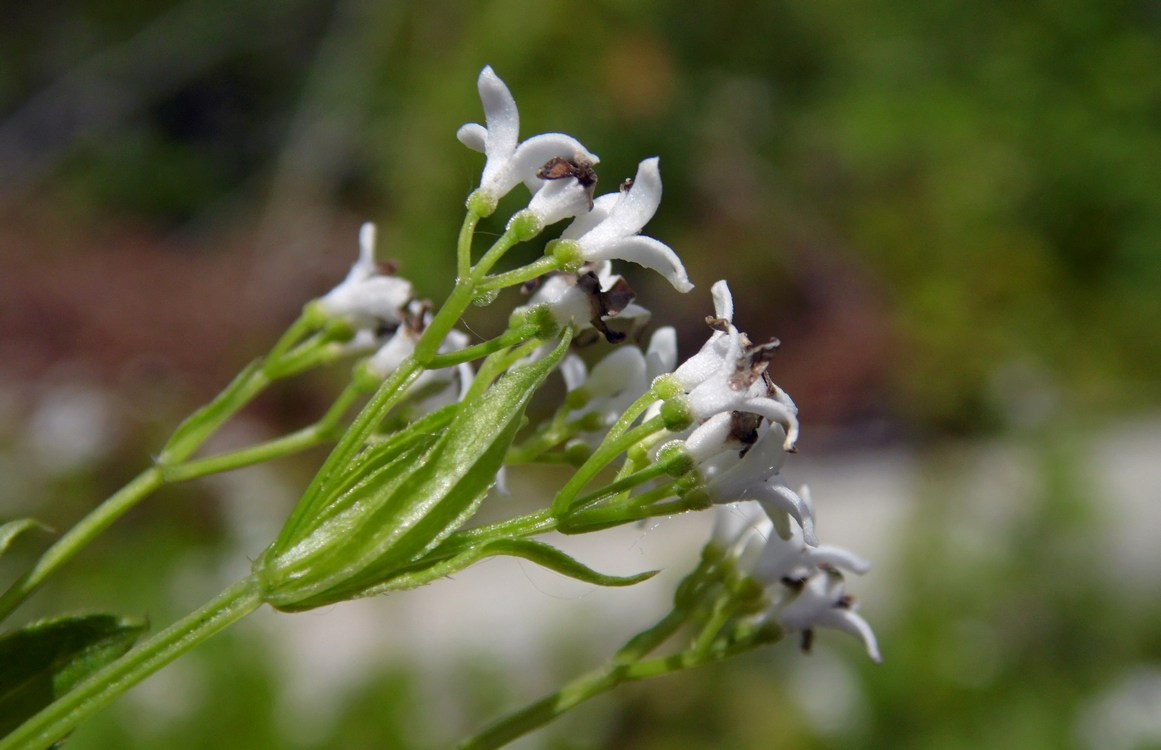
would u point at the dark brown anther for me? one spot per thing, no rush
(602, 303)
(744, 429)
(753, 364)
(626, 184)
(807, 640)
(720, 325)
(578, 167)
(530, 286)
(387, 268)
(794, 584)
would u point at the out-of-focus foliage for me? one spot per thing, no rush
(949, 211)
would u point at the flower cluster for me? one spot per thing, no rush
(724, 426)
(802, 585)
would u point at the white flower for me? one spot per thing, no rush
(729, 375)
(587, 298)
(618, 380)
(823, 603)
(752, 476)
(611, 229)
(368, 298)
(509, 162)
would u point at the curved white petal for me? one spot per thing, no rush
(474, 136)
(535, 152)
(644, 251)
(622, 368)
(723, 300)
(661, 356)
(500, 113)
(634, 208)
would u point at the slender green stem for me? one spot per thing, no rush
(464, 245)
(597, 682)
(79, 535)
(511, 337)
(536, 269)
(100, 688)
(612, 447)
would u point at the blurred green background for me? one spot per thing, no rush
(949, 212)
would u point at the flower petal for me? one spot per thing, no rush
(536, 151)
(584, 223)
(634, 208)
(474, 136)
(644, 251)
(501, 114)
(723, 300)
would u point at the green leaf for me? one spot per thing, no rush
(378, 527)
(13, 529)
(538, 552)
(44, 660)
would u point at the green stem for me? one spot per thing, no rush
(536, 269)
(79, 535)
(612, 447)
(589, 686)
(99, 689)
(464, 245)
(511, 337)
(308, 437)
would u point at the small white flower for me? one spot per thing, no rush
(510, 162)
(366, 297)
(728, 374)
(824, 603)
(753, 476)
(611, 229)
(435, 387)
(618, 380)
(587, 298)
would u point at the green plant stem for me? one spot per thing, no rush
(316, 434)
(589, 686)
(79, 535)
(99, 689)
(511, 337)
(612, 447)
(464, 245)
(536, 269)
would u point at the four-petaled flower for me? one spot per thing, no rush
(510, 162)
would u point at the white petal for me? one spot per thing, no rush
(732, 520)
(474, 136)
(366, 260)
(535, 152)
(644, 251)
(709, 439)
(723, 300)
(662, 353)
(585, 222)
(634, 208)
(574, 372)
(837, 557)
(501, 114)
(623, 368)
(559, 200)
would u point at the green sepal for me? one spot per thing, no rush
(44, 660)
(12, 529)
(371, 531)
